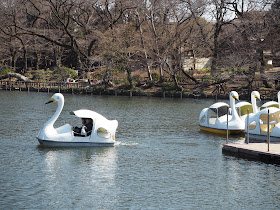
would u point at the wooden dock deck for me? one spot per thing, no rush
(257, 151)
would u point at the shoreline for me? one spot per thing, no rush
(117, 92)
(84, 89)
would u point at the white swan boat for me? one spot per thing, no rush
(102, 134)
(272, 103)
(258, 125)
(243, 106)
(218, 122)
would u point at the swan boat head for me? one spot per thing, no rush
(254, 96)
(233, 96)
(234, 121)
(48, 131)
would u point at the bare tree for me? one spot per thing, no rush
(252, 29)
(14, 43)
(146, 56)
(273, 21)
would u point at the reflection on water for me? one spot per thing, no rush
(72, 170)
(161, 159)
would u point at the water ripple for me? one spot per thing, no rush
(161, 160)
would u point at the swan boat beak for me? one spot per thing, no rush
(236, 98)
(258, 97)
(52, 100)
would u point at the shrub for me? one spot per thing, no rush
(136, 78)
(98, 74)
(126, 85)
(155, 76)
(180, 78)
(206, 70)
(5, 71)
(207, 77)
(38, 75)
(168, 86)
(61, 74)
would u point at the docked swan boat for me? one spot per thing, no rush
(258, 125)
(272, 103)
(217, 123)
(102, 134)
(243, 106)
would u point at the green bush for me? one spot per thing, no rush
(38, 75)
(150, 84)
(61, 74)
(206, 70)
(5, 71)
(168, 86)
(180, 78)
(155, 76)
(98, 75)
(207, 77)
(126, 85)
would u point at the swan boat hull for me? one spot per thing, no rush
(262, 138)
(221, 131)
(51, 143)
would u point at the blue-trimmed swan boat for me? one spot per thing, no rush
(218, 122)
(102, 134)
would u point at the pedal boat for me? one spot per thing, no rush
(272, 103)
(218, 122)
(102, 134)
(258, 125)
(243, 106)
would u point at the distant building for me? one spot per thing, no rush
(197, 63)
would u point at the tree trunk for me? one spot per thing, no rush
(251, 78)
(194, 60)
(262, 68)
(190, 77)
(16, 75)
(176, 82)
(129, 78)
(144, 48)
(157, 48)
(38, 60)
(25, 61)
(14, 60)
(161, 79)
(57, 57)
(261, 60)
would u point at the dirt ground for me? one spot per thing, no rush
(238, 83)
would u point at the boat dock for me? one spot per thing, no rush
(269, 153)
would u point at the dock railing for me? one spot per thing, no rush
(21, 85)
(247, 136)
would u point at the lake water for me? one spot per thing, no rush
(161, 160)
